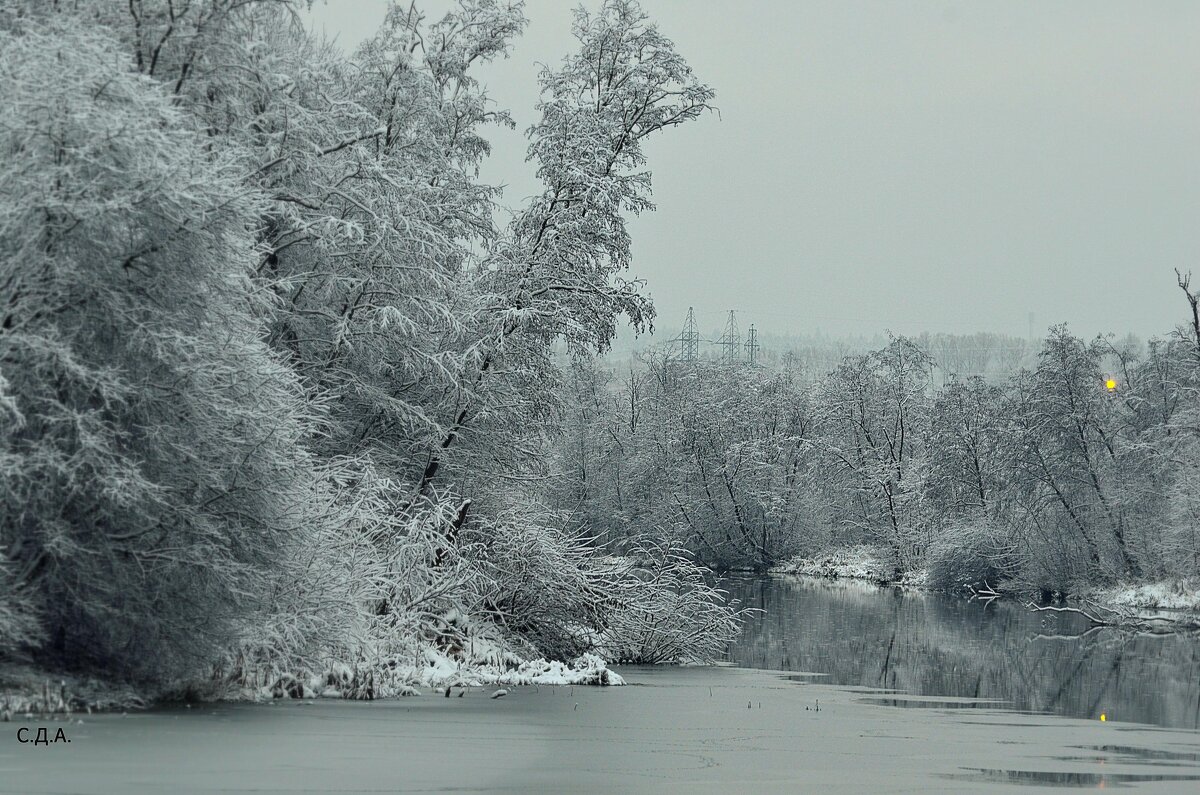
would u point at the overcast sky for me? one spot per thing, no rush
(912, 166)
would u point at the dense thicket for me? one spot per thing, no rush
(274, 386)
(1044, 478)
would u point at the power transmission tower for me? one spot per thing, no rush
(752, 345)
(689, 338)
(731, 340)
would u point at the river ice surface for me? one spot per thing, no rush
(690, 730)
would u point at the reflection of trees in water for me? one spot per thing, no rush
(933, 645)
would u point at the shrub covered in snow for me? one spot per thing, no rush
(969, 555)
(667, 611)
(653, 604)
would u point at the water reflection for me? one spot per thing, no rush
(932, 645)
(913, 703)
(1126, 754)
(1056, 779)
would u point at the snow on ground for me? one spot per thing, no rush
(587, 670)
(436, 670)
(441, 670)
(917, 578)
(1164, 595)
(457, 652)
(472, 655)
(858, 563)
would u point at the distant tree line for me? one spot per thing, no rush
(1083, 468)
(275, 387)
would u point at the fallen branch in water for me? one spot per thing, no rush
(986, 594)
(1124, 619)
(1094, 619)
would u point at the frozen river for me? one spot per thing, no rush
(692, 730)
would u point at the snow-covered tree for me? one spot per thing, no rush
(556, 272)
(966, 442)
(873, 424)
(152, 456)
(272, 383)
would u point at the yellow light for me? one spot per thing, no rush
(1103, 717)
(1110, 384)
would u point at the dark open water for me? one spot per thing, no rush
(933, 645)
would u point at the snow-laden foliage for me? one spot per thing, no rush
(1049, 480)
(19, 625)
(976, 554)
(153, 456)
(666, 610)
(275, 390)
(712, 457)
(872, 419)
(652, 604)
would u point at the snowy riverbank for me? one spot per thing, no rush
(1162, 595)
(435, 669)
(30, 693)
(852, 563)
(1177, 600)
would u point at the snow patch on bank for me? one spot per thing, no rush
(916, 578)
(856, 563)
(435, 670)
(453, 652)
(441, 670)
(1164, 595)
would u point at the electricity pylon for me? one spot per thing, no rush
(689, 338)
(752, 345)
(731, 340)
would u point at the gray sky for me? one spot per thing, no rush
(913, 166)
